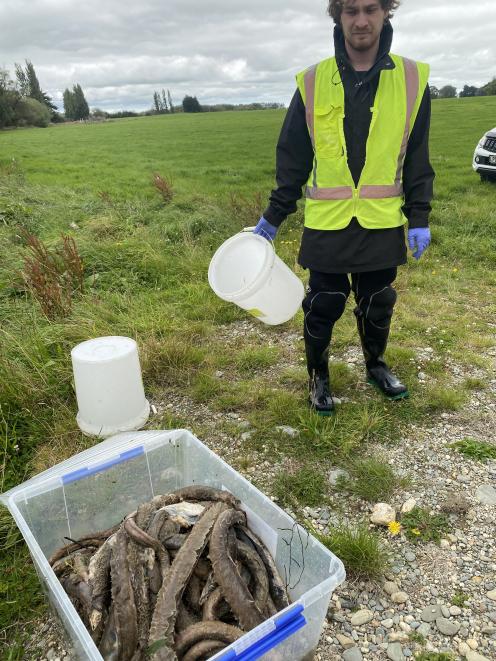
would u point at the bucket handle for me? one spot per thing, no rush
(269, 238)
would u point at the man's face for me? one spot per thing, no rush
(362, 22)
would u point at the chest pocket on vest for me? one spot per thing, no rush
(328, 131)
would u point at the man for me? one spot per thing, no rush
(356, 133)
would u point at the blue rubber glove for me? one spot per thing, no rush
(420, 238)
(265, 229)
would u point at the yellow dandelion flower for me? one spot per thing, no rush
(415, 531)
(394, 527)
(455, 270)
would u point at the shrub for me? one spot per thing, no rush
(30, 112)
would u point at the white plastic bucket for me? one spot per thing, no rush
(246, 270)
(109, 387)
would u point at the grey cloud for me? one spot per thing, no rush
(222, 51)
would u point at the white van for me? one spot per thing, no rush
(485, 156)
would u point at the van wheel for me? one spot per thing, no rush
(483, 176)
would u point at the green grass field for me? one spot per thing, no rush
(145, 276)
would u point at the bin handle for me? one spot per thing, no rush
(284, 626)
(82, 473)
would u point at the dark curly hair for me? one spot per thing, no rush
(336, 7)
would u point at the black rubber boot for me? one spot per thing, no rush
(319, 393)
(374, 341)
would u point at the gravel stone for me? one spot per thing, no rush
(447, 627)
(290, 431)
(382, 514)
(390, 587)
(394, 652)
(361, 617)
(336, 474)
(344, 641)
(424, 629)
(474, 656)
(353, 654)
(399, 597)
(486, 494)
(431, 613)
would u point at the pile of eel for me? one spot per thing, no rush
(180, 578)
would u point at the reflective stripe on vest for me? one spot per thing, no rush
(366, 192)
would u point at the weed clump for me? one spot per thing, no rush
(53, 276)
(306, 486)
(371, 479)
(479, 450)
(459, 599)
(421, 525)
(359, 549)
(164, 186)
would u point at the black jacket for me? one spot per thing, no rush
(353, 249)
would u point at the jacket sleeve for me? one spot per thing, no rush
(418, 175)
(294, 162)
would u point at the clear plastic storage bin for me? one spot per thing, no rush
(98, 487)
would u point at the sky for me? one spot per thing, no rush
(222, 51)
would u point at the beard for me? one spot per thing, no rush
(362, 45)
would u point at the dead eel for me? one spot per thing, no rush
(227, 575)
(201, 492)
(123, 598)
(99, 580)
(220, 631)
(276, 586)
(203, 649)
(250, 559)
(175, 580)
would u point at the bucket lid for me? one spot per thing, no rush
(103, 349)
(240, 265)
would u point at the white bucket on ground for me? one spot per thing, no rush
(246, 270)
(109, 387)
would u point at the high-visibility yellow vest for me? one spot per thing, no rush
(332, 199)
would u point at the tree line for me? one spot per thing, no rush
(191, 104)
(24, 103)
(450, 92)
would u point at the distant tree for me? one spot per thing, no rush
(156, 102)
(29, 86)
(69, 106)
(468, 90)
(171, 107)
(22, 80)
(81, 108)
(434, 92)
(447, 92)
(165, 108)
(480, 92)
(97, 113)
(35, 91)
(122, 113)
(9, 98)
(490, 88)
(191, 104)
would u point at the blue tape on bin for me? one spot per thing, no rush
(284, 626)
(81, 473)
